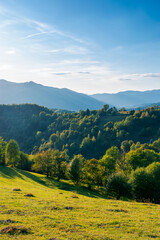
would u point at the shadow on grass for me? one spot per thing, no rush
(9, 173)
(12, 173)
(78, 190)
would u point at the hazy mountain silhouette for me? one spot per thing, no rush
(30, 92)
(129, 99)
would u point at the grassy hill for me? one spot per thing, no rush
(59, 210)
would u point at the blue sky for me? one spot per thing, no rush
(89, 46)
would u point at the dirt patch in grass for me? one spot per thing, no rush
(69, 208)
(53, 239)
(74, 196)
(7, 221)
(12, 230)
(29, 195)
(16, 189)
(117, 210)
(153, 236)
(55, 208)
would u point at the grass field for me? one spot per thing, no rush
(62, 211)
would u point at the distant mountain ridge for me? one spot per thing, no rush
(129, 99)
(31, 92)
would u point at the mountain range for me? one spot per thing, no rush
(31, 92)
(56, 98)
(130, 99)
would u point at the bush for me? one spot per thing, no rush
(142, 185)
(154, 171)
(146, 183)
(118, 186)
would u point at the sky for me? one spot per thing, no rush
(89, 46)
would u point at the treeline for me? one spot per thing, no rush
(88, 133)
(133, 171)
(10, 155)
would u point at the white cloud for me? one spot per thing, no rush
(10, 52)
(70, 50)
(78, 62)
(137, 76)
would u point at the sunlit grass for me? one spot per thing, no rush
(62, 211)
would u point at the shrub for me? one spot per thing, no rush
(142, 185)
(146, 183)
(118, 186)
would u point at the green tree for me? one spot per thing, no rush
(43, 162)
(23, 161)
(154, 171)
(125, 146)
(12, 153)
(59, 160)
(142, 184)
(118, 186)
(2, 151)
(75, 168)
(140, 158)
(91, 174)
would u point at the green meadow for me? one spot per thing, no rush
(59, 210)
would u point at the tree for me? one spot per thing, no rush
(140, 158)
(118, 186)
(12, 153)
(125, 146)
(75, 168)
(154, 170)
(2, 151)
(108, 163)
(142, 184)
(59, 160)
(91, 175)
(43, 162)
(23, 161)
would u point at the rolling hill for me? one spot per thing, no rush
(59, 210)
(30, 92)
(129, 99)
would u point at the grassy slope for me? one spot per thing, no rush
(92, 216)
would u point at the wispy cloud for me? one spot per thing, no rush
(69, 73)
(34, 35)
(51, 56)
(70, 50)
(7, 23)
(137, 76)
(78, 62)
(40, 28)
(62, 73)
(150, 75)
(47, 29)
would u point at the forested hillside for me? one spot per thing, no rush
(89, 133)
(114, 152)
